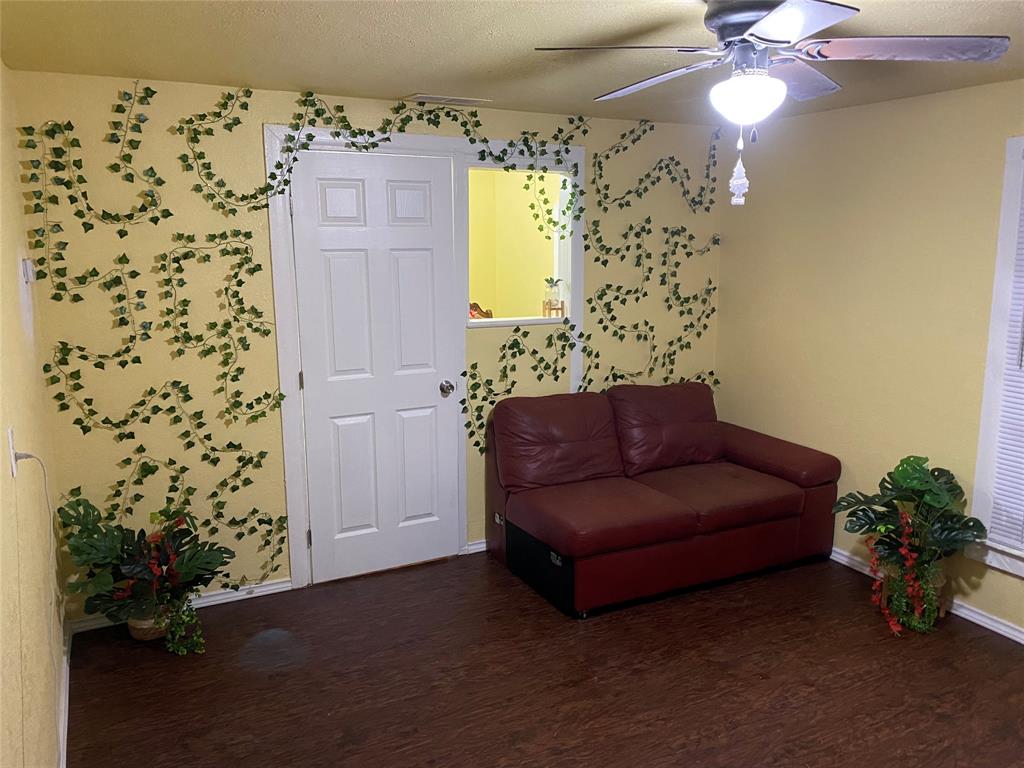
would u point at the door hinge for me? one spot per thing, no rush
(302, 381)
(309, 538)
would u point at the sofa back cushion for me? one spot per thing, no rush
(665, 426)
(542, 441)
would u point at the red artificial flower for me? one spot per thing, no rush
(876, 587)
(914, 589)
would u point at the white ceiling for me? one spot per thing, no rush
(480, 48)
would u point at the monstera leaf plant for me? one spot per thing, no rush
(915, 521)
(145, 579)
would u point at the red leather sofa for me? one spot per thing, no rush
(596, 499)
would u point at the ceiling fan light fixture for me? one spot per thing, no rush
(748, 96)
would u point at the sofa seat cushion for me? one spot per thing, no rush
(726, 495)
(603, 515)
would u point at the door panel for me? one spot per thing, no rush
(354, 457)
(376, 280)
(417, 436)
(348, 299)
(414, 310)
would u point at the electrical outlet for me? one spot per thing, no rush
(13, 453)
(28, 271)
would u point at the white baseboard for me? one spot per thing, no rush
(959, 608)
(63, 698)
(243, 593)
(988, 621)
(219, 596)
(85, 623)
(850, 560)
(203, 601)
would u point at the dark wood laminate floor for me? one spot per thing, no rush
(459, 664)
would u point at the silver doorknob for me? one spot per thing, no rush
(446, 388)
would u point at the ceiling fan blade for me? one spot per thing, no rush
(920, 48)
(676, 48)
(796, 19)
(803, 82)
(662, 78)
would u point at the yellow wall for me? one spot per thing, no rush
(857, 284)
(509, 257)
(31, 633)
(91, 460)
(482, 239)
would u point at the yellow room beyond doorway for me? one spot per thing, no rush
(510, 256)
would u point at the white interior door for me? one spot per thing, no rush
(379, 324)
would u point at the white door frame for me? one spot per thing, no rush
(286, 312)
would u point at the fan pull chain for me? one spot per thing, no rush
(738, 184)
(753, 135)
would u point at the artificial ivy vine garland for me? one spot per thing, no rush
(225, 339)
(59, 166)
(56, 166)
(665, 168)
(693, 309)
(314, 112)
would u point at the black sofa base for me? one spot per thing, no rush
(549, 573)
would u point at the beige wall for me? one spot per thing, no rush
(91, 460)
(857, 284)
(31, 633)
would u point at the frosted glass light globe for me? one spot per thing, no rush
(748, 96)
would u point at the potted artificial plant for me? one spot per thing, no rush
(553, 291)
(144, 579)
(552, 305)
(912, 524)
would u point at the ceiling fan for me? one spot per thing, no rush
(766, 42)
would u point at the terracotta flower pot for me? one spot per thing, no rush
(945, 599)
(150, 628)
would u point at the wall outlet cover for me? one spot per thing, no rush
(28, 271)
(10, 448)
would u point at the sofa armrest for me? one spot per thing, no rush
(805, 467)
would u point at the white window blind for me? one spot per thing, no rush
(999, 479)
(1006, 525)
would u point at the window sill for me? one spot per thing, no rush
(998, 557)
(512, 322)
